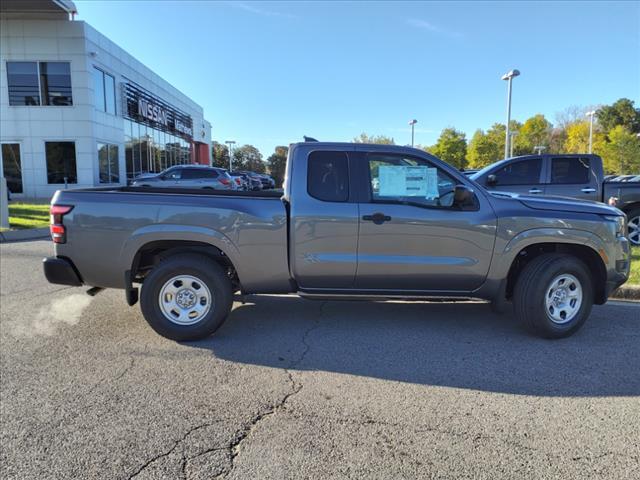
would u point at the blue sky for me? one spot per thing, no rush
(268, 73)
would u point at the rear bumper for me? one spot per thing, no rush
(62, 271)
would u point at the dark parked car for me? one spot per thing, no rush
(188, 176)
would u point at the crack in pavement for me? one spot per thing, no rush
(296, 387)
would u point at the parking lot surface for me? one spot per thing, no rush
(291, 388)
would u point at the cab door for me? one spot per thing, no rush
(323, 233)
(518, 175)
(573, 176)
(412, 237)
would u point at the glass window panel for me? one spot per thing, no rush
(328, 176)
(110, 94)
(98, 89)
(570, 170)
(525, 172)
(114, 167)
(405, 179)
(12, 166)
(128, 156)
(22, 80)
(103, 162)
(61, 162)
(55, 83)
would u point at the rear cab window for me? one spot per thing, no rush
(570, 170)
(328, 176)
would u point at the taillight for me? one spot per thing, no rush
(224, 181)
(238, 182)
(58, 232)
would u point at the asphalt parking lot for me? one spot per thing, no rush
(291, 388)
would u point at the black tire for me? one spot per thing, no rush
(205, 271)
(634, 233)
(533, 286)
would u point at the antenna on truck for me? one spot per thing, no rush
(309, 139)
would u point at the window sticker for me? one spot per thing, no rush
(405, 181)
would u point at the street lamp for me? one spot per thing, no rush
(413, 124)
(511, 135)
(538, 149)
(230, 143)
(591, 115)
(509, 76)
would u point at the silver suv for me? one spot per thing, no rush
(188, 176)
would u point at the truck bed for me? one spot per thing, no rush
(115, 223)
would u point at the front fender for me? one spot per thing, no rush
(506, 251)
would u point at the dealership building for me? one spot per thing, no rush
(76, 110)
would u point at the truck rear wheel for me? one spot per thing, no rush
(553, 295)
(186, 297)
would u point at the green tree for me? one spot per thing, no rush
(277, 163)
(622, 112)
(380, 139)
(248, 157)
(536, 131)
(451, 147)
(220, 155)
(578, 138)
(486, 148)
(621, 154)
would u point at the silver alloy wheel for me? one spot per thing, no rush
(633, 229)
(185, 300)
(563, 298)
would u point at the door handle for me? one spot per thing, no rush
(377, 218)
(535, 190)
(588, 190)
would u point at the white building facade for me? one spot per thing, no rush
(76, 110)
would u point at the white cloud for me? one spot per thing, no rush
(250, 7)
(423, 24)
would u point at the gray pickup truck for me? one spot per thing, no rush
(354, 221)
(570, 175)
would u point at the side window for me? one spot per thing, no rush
(328, 176)
(172, 174)
(524, 172)
(192, 174)
(208, 173)
(570, 170)
(399, 178)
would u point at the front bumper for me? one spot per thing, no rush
(62, 271)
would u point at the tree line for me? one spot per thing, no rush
(616, 138)
(248, 157)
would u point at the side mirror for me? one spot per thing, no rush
(464, 198)
(492, 180)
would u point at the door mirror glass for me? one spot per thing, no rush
(492, 180)
(464, 198)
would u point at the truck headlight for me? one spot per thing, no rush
(619, 225)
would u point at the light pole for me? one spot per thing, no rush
(413, 124)
(509, 76)
(590, 115)
(538, 149)
(230, 143)
(511, 135)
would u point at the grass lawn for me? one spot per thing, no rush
(28, 215)
(634, 276)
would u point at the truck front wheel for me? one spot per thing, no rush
(186, 297)
(553, 295)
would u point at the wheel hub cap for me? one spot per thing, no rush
(634, 230)
(563, 299)
(185, 300)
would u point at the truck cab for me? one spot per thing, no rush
(568, 175)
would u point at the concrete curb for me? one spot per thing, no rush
(20, 235)
(627, 292)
